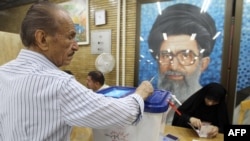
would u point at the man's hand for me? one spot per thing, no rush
(145, 89)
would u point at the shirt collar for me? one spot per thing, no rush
(35, 57)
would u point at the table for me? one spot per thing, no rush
(81, 134)
(186, 134)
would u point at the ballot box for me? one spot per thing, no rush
(150, 128)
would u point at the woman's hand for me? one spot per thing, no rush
(195, 122)
(213, 132)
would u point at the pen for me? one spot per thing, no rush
(152, 79)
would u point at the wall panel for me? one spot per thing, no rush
(84, 61)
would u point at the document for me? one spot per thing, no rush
(205, 128)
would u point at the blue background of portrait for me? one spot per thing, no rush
(148, 67)
(243, 78)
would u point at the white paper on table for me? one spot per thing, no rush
(205, 129)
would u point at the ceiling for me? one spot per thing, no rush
(5, 4)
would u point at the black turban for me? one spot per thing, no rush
(183, 19)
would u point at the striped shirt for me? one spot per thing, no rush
(39, 102)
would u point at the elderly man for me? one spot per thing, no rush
(40, 102)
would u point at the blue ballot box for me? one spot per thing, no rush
(150, 128)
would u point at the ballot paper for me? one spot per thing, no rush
(204, 130)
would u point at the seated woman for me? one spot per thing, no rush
(206, 105)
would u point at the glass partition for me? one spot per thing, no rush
(241, 56)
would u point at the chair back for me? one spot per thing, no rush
(244, 107)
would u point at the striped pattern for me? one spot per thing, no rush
(40, 102)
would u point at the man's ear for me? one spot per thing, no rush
(97, 85)
(204, 63)
(41, 41)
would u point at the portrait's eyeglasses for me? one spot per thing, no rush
(184, 57)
